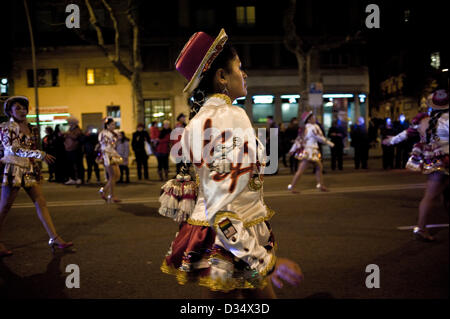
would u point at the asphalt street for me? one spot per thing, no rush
(365, 219)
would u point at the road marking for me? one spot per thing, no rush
(342, 190)
(151, 200)
(427, 226)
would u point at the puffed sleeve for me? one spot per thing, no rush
(317, 133)
(224, 173)
(402, 136)
(11, 143)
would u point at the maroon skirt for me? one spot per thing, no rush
(189, 259)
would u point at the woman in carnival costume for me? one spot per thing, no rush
(306, 150)
(21, 168)
(110, 158)
(224, 241)
(429, 156)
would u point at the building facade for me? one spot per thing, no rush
(78, 79)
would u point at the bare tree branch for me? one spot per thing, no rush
(116, 29)
(115, 60)
(136, 56)
(291, 40)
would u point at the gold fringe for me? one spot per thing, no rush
(270, 213)
(258, 220)
(222, 96)
(215, 284)
(197, 222)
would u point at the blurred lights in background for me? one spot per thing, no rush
(263, 99)
(4, 86)
(90, 76)
(435, 60)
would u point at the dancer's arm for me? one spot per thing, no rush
(11, 143)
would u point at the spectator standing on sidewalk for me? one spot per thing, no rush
(91, 146)
(123, 148)
(162, 151)
(402, 149)
(388, 150)
(138, 144)
(62, 168)
(49, 146)
(360, 142)
(291, 134)
(181, 123)
(73, 140)
(337, 134)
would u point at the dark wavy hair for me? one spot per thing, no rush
(107, 121)
(206, 85)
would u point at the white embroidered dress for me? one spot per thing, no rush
(108, 142)
(230, 197)
(19, 156)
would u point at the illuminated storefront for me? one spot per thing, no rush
(283, 107)
(49, 116)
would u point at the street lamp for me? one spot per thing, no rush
(33, 57)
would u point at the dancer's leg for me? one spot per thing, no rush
(8, 197)
(35, 193)
(301, 168)
(436, 184)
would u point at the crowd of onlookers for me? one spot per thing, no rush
(74, 149)
(361, 137)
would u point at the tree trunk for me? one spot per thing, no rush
(138, 99)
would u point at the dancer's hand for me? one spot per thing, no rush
(286, 270)
(387, 140)
(49, 159)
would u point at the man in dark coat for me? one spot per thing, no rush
(337, 134)
(360, 142)
(138, 144)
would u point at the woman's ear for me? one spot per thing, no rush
(221, 76)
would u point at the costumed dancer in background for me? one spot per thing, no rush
(111, 160)
(429, 156)
(306, 150)
(21, 168)
(224, 241)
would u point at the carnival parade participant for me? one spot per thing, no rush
(306, 150)
(429, 156)
(21, 169)
(224, 241)
(111, 160)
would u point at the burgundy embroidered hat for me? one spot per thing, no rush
(306, 115)
(439, 100)
(197, 55)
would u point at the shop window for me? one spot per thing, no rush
(289, 107)
(262, 108)
(157, 110)
(245, 16)
(100, 76)
(45, 78)
(240, 102)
